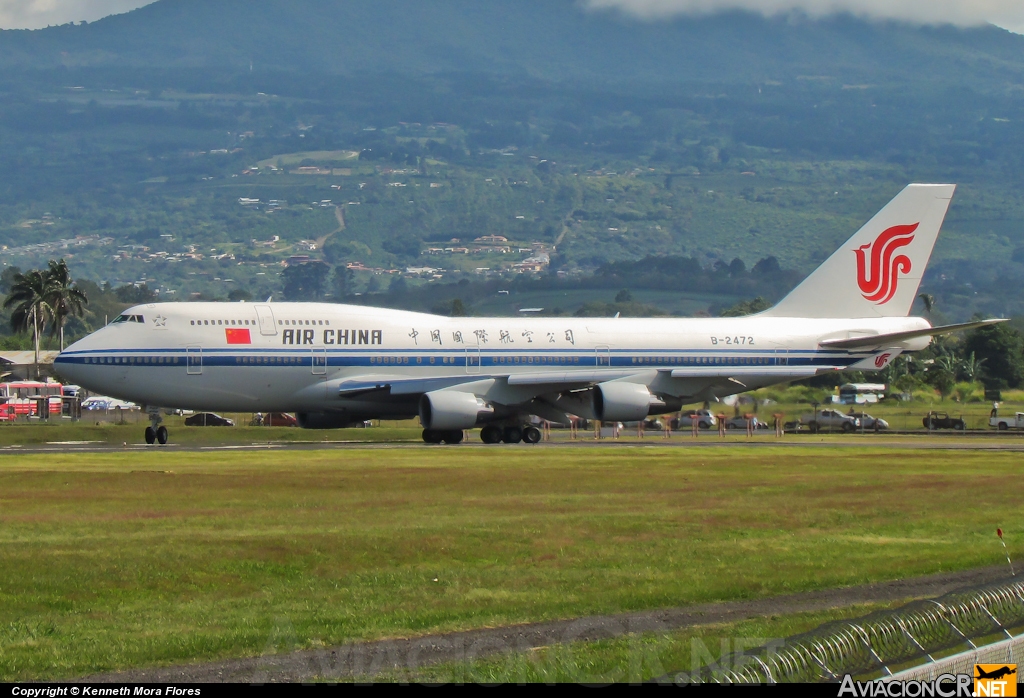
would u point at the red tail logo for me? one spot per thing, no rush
(879, 278)
(881, 360)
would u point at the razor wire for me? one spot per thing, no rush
(877, 643)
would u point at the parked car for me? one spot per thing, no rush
(741, 423)
(1004, 423)
(830, 420)
(941, 420)
(870, 423)
(279, 419)
(705, 420)
(101, 403)
(208, 419)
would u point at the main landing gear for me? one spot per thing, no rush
(445, 436)
(156, 432)
(510, 435)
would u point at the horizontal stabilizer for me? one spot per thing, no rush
(894, 338)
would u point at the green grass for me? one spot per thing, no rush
(110, 561)
(633, 658)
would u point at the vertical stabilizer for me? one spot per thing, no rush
(877, 272)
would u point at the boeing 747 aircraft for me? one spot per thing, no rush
(339, 364)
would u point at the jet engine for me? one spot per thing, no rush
(623, 402)
(444, 409)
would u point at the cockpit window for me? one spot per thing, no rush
(130, 318)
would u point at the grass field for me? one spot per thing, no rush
(111, 561)
(630, 659)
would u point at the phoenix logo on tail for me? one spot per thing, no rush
(882, 360)
(878, 282)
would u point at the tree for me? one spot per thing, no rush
(1001, 348)
(624, 296)
(7, 278)
(63, 296)
(305, 282)
(929, 302)
(130, 293)
(28, 297)
(747, 308)
(343, 281)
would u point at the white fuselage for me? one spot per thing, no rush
(314, 357)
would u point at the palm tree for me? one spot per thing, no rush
(63, 297)
(28, 297)
(929, 303)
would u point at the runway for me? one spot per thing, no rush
(992, 442)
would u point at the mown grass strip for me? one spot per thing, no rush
(109, 561)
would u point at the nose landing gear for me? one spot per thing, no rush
(156, 432)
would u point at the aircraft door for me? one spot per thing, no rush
(268, 326)
(604, 356)
(320, 362)
(194, 361)
(473, 359)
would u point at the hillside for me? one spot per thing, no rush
(546, 39)
(374, 135)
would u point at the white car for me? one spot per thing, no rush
(99, 403)
(830, 420)
(741, 423)
(705, 420)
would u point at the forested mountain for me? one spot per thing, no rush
(194, 147)
(548, 39)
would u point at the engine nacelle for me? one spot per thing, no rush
(622, 402)
(445, 409)
(323, 420)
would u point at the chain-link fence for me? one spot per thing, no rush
(879, 644)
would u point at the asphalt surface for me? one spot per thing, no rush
(367, 659)
(959, 442)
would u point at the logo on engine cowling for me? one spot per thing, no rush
(878, 276)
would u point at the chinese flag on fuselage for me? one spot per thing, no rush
(238, 336)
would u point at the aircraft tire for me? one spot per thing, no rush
(491, 435)
(512, 435)
(150, 435)
(432, 436)
(162, 435)
(453, 437)
(532, 435)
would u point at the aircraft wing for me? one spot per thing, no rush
(894, 338)
(405, 385)
(400, 385)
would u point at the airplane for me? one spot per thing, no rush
(335, 365)
(995, 674)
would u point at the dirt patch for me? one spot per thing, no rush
(369, 658)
